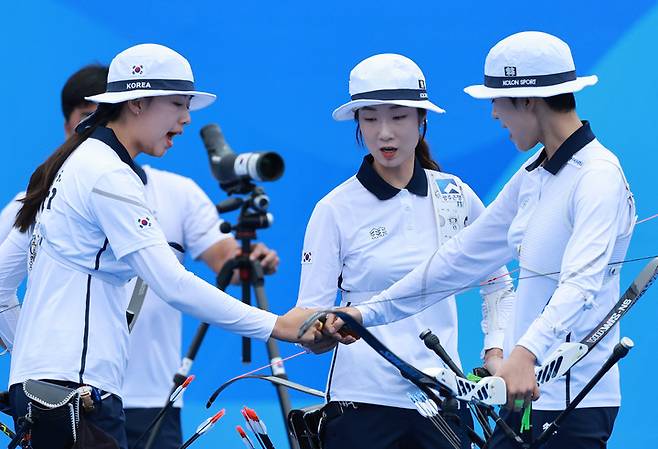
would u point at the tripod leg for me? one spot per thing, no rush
(246, 298)
(273, 350)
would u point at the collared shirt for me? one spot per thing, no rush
(361, 238)
(94, 228)
(565, 221)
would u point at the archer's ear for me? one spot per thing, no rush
(532, 103)
(136, 106)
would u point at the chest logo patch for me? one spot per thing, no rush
(378, 232)
(307, 257)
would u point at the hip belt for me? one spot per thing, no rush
(55, 417)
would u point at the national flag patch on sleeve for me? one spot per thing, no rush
(144, 222)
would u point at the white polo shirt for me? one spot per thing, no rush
(73, 322)
(190, 222)
(572, 216)
(361, 238)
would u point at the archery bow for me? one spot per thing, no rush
(424, 382)
(568, 354)
(273, 379)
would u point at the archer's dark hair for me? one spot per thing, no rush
(558, 103)
(43, 177)
(422, 151)
(89, 80)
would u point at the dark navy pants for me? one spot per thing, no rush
(107, 416)
(380, 427)
(170, 435)
(584, 428)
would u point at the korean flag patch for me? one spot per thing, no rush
(307, 257)
(144, 222)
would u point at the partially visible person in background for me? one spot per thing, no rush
(89, 80)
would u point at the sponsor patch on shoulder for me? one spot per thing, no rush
(307, 257)
(447, 186)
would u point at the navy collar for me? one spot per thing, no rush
(575, 142)
(371, 180)
(107, 136)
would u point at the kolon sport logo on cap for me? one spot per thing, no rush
(529, 64)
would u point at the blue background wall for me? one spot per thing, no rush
(279, 68)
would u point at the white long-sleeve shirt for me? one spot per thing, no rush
(565, 221)
(94, 234)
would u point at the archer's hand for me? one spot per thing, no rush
(268, 258)
(493, 360)
(287, 328)
(518, 371)
(333, 325)
(321, 345)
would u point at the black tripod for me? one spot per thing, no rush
(253, 215)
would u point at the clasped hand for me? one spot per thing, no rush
(320, 337)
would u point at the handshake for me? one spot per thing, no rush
(317, 330)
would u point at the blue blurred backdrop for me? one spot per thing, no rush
(279, 69)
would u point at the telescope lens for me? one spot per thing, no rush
(269, 166)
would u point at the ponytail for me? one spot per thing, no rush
(39, 186)
(422, 150)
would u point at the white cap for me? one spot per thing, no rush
(150, 70)
(386, 79)
(529, 64)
